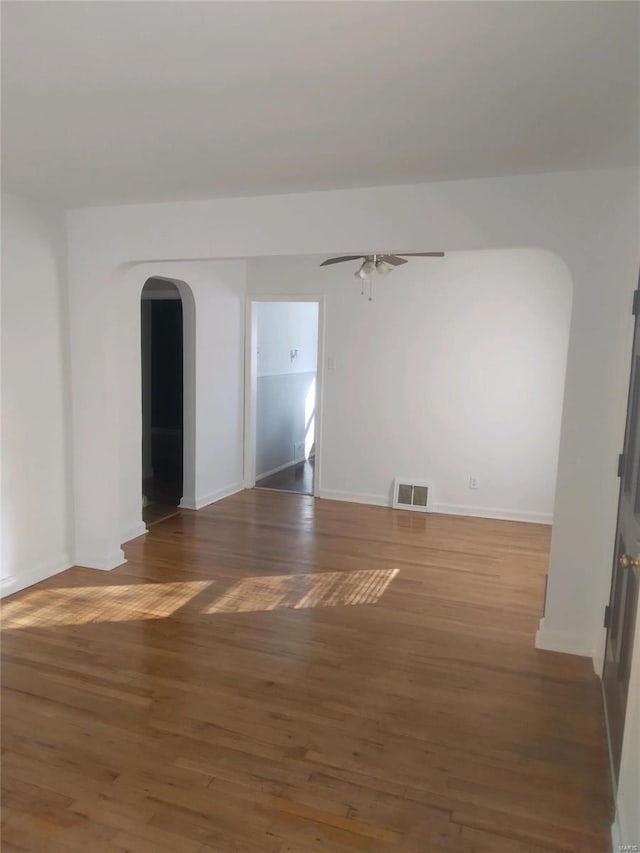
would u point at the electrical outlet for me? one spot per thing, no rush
(473, 482)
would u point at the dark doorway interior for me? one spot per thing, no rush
(162, 399)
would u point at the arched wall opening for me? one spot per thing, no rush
(481, 296)
(561, 213)
(212, 296)
(141, 285)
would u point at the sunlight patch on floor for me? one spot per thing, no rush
(80, 605)
(321, 589)
(43, 608)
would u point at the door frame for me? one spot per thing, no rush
(615, 569)
(251, 382)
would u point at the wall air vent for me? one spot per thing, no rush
(411, 495)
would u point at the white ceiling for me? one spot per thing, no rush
(108, 102)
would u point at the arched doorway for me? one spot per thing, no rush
(162, 346)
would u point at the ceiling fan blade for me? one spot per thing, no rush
(423, 254)
(340, 260)
(394, 260)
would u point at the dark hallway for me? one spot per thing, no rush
(162, 399)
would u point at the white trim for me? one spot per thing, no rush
(24, 579)
(279, 468)
(493, 512)
(444, 509)
(139, 529)
(204, 500)
(250, 394)
(621, 832)
(616, 833)
(104, 563)
(353, 497)
(568, 643)
(251, 380)
(319, 419)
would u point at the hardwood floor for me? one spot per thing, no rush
(274, 673)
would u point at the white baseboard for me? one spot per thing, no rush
(445, 509)
(279, 468)
(554, 640)
(21, 580)
(102, 562)
(353, 497)
(622, 832)
(493, 512)
(205, 500)
(133, 532)
(616, 834)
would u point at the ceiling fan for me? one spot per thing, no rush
(376, 263)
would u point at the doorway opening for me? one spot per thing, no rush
(162, 399)
(286, 390)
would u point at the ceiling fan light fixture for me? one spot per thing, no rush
(375, 265)
(367, 269)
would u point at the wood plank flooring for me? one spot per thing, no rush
(274, 674)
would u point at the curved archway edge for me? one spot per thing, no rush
(560, 213)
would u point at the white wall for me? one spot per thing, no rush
(455, 369)
(35, 395)
(213, 295)
(286, 326)
(285, 392)
(285, 421)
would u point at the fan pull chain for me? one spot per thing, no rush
(362, 287)
(370, 290)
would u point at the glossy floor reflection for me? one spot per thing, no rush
(278, 674)
(77, 605)
(321, 589)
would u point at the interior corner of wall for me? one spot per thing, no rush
(552, 639)
(101, 562)
(139, 529)
(21, 579)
